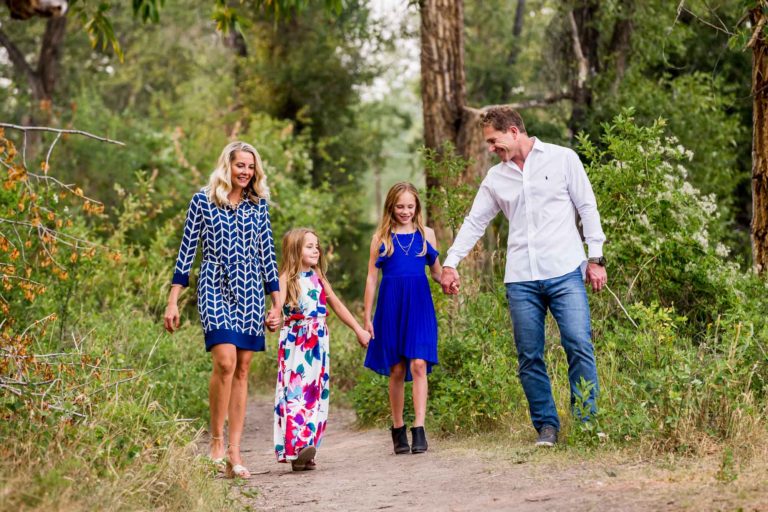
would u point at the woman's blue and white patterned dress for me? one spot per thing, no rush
(238, 265)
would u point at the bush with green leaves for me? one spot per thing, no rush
(663, 239)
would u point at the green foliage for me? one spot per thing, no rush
(665, 242)
(454, 196)
(100, 408)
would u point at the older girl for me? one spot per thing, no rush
(404, 329)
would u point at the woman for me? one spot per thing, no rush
(231, 218)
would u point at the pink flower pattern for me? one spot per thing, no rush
(302, 390)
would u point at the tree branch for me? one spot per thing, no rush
(578, 51)
(57, 130)
(529, 103)
(18, 60)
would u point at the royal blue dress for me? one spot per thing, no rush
(404, 323)
(238, 265)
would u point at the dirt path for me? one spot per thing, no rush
(357, 471)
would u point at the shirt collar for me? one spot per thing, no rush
(537, 146)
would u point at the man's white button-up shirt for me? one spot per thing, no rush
(540, 202)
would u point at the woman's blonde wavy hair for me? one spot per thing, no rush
(220, 183)
(384, 231)
(290, 264)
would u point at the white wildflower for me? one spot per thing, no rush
(709, 204)
(701, 238)
(689, 189)
(721, 250)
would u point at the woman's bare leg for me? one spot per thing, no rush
(224, 363)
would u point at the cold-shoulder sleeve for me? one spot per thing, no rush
(192, 227)
(268, 265)
(382, 257)
(432, 254)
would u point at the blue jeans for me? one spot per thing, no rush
(566, 298)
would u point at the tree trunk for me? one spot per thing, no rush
(759, 230)
(517, 29)
(50, 56)
(443, 83)
(583, 21)
(620, 44)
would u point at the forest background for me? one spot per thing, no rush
(654, 95)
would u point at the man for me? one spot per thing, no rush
(539, 187)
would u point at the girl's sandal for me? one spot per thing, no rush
(306, 454)
(310, 465)
(237, 470)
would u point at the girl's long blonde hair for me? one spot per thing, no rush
(384, 231)
(290, 264)
(220, 183)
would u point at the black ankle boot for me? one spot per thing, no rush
(400, 440)
(419, 438)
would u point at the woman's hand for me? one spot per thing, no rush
(369, 329)
(364, 337)
(171, 318)
(273, 318)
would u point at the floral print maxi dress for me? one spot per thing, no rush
(302, 391)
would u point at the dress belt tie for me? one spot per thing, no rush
(298, 318)
(226, 281)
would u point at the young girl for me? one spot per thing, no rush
(302, 391)
(404, 329)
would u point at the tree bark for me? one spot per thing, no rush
(585, 51)
(620, 44)
(50, 55)
(443, 82)
(759, 229)
(517, 29)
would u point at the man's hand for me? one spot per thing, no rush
(596, 276)
(449, 280)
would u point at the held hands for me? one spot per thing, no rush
(274, 317)
(171, 319)
(449, 280)
(369, 328)
(363, 337)
(596, 276)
